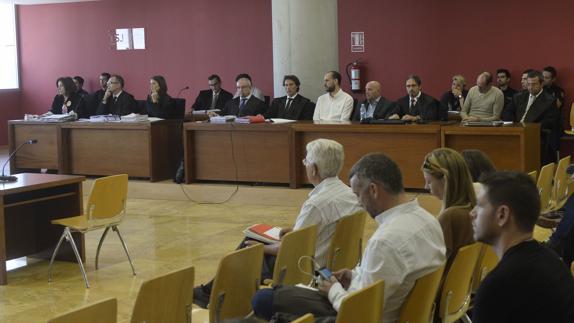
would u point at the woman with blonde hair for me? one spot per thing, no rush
(448, 178)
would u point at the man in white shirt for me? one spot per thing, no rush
(335, 104)
(407, 245)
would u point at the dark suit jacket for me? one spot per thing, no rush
(253, 107)
(301, 108)
(383, 110)
(203, 100)
(543, 110)
(76, 104)
(125, 104)
(427, 107)
(164, 108)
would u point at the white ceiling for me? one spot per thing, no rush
(28, 2)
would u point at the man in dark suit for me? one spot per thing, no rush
(536, 105)
(97, 97)
(116, 101)
(246, 104)
(293, 106)
(416, 105)
(376, 106)
(214, 98)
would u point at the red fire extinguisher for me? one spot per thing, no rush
(354, 75)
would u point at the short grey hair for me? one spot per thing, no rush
(327, 155)
(380, 169)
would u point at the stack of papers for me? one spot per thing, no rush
(132, 117)
(104, 118)
(250, 119)
(205, 111)
(221, 119)
(50, 117)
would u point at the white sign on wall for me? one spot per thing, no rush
(357, 42)
(129, 38)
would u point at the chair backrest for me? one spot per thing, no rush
(307, 318)
(108, 197)
(167, 298)
(347, 242)
(104, 311)
(560, 188)
(545, 185)
(430, 203)
(418, 306)
(365, 305)
(179, 112)
(294, 245)
(534, 175)
(572, 268)
(236, 281)
(455, 295)
(487, 260)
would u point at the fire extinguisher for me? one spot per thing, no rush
(354, 75)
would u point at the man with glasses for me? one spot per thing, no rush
(214, 98)
(116, 101)
(246, 104)
(293, 106)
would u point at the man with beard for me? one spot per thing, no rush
(335, 104)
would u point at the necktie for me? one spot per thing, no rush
(288, 105)
(115, 99)
(214, 100)
(412, 107)
(242, 105)
(531, 99)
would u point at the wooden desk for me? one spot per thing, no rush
(512, 147)
(149, 149)
(26, 209)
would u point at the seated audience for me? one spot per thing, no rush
(335, 104)
(539, 106)
(530, 283)
(416, 105)
(116, 101)
(549, 73)
(407, 245)
(447, 177)
(503, 81)
(524, 79)
(214, 98)
(484, 102)
(159, 104)
(254, 91)
(67, 99)
(293, 106)
(478, 163)
(79, 81)
(246, 104)
(376, 106)
(330, 200)
(453, 100)
(98, 96)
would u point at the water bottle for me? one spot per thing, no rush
(363, 111)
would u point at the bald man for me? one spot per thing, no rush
(246, 104)
(484, 102)
(376, 105)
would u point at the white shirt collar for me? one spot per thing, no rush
(392, 212)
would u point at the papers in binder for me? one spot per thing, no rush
(250, 119)
(222, 119)
(205, 111)
(280, 121)
(263, 232)
(132, 117)
(50, 117)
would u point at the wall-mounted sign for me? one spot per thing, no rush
(128, 38)
(357, 42)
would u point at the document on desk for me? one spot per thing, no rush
(280, 121)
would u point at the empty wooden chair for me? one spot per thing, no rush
(104, 311)
(534, 175)
(166, 298)
(365, 305)
(456, 290)
(307, 318)
(105, 209)
(419, 304)
(346, 245)
(430, 203)
(236, 281)
(560, 192)
(544, 185)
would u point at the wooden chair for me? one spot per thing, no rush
(104, 311)
(235, 283)
(419, 304)
(456, 290)
(365, 305)
(544, 185)
(105, 209)
(541, 234)
(572, 268)
(534, 175)
(307, 318)
(560, 192)
(487, 260)
(430, 203)
(347, 242)
(166, 298)
(291, 267)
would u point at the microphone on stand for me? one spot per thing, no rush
(8, 178)
(179, 93)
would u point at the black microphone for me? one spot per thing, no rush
(8, 178)
(179, 93)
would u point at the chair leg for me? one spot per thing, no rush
(115, 228)
(71, 241)
(100, 245)
(54, 255)
(465, 319)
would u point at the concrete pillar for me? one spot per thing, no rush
(305, 43)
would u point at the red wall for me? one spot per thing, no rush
(437, 39)
(186, 41)
(9, 110)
